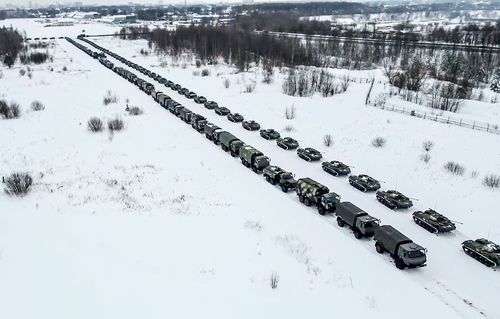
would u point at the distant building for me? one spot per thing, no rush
(118, 19)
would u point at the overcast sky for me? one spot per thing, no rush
(107, 2)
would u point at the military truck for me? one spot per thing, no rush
(361, 224)
(433, 221)
(209, 130)
(230, 143)
(311, 192)
(185, 115)
(402, 249)
(252, 158)
(198, 122)
(484, 251)
(276, 175)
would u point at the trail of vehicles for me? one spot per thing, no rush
(309, 192)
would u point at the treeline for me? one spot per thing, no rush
(282, 22)
(236, 46)
(11, 43)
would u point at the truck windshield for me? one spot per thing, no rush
(415, 253)
(370, 224)
(286, 176)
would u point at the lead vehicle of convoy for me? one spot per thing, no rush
(311, 192)
(402, 249)
(276, 175)
(253, 158)
(361, 224)
(231, 143)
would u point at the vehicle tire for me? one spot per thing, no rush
(301, 198)
(284, 189)
(254, 169)
(379, 248)
(307, 202)
(321, 211)
(340, 222)
(400, 264)
(267, 179)
(357, 234)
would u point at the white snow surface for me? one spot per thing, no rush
(155, 221)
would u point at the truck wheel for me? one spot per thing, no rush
(400, 264)
(357, 234)
(254, 169)
(321, 211)
(301, 198)
(379, 248)
(340, 222)
(284, 189)
(307, 202)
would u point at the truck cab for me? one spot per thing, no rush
(412, 255)
(328, 203)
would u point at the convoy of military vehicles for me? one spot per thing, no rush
(404, 251)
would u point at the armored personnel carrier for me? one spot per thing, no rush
(211, 105)
(433, 221)
(235, 117)
(484, 251)
(364, 183)
(394, 199)
(309, 154)
(269, 134)
(335, 168)
(287, 143)
(250, 125)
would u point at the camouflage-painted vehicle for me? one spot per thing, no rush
(311, 192)
(361, 224)
(200, 99)
(276, 175)
(405, 252)
(287, 143)
(250, 125)
(211, 105)
(364, 183)
(433, 221)
(309, 154)
(235, 117)
(335, 168)
(394, 199)
(198, 122)
(222, 111)
(254, 159)
(484, 251)
(269, 134)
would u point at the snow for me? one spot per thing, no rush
(155, 221)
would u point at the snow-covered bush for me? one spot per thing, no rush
(426, 157)
(37, 106)
(205, 72)
(196, 73)
(22, 72)
(427, 145)
(327, 140)
(198, 64)
(288, 128)
(115, 125)
(492, 181)
(109, 98)
(226, 83)
(495, 84)
(11, 111)
(290, 112)
(454, 168)
(95, 124)
(64, 69)
(18, 184)
(474, 174)
(134, 110)
(249, 87)
(378, 142)
(274, 280)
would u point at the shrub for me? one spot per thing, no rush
(184, 65)
(327, 140)
(288, 128)
(37, 106)
(249, 88)
(15, 110)
(492, 181)
(427, 145)
(115, 125)
(95, 124)
(290, 112)
(38, 57)
(64, 69)
(474, 174)
(196, 73)
(274, 280)
(134, 110)
(227, 83)
(378, 142)
(4, 109)
(205, 72)
(109, 98)
(18, 184)
(198, 64)
(22, 72)
(454, 168)
(426, 157)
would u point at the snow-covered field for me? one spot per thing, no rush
(155, 221)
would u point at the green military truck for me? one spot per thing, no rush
(230, 143)
(253, 158)
(361, 224)
(276, 175)
(311, 192)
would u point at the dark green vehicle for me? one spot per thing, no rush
(200, 99)
(394, 199)
(177, 87)
(484, 251)
(252, 158)
(269, 134)
(276, 175)
(183, 91)
(433, 221)
(211, 105)
(287, 143)
(311, 192)
(335, 168)
(364, 183)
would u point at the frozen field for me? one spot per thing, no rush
(155, 221)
